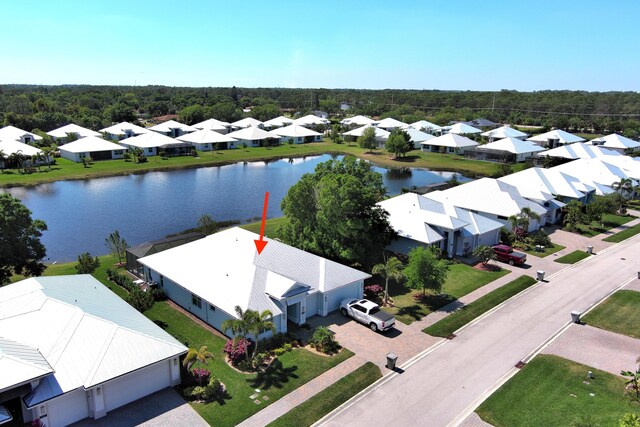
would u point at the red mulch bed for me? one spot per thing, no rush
(488, 267)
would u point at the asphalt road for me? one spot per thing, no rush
(446, 383)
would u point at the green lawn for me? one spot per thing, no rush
(551, 391)
(608, 222)
(572, 257)
(330, 398)
(270, 226)
(624, 234)
(66, 169)
(618, 313)
(466, 314)
(293, 369)
(461, 280)
(547, 251)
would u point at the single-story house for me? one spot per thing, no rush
(153, 143)
(214, 124)
(24, 151)
(91, 146)
(16, 134)
(172, 128)
(596, 173)
(71, 349)
(417, 137)
(482, 123)
(578, 150)
(426, 126)
(491, 198)
(554, 138)
(311, 120)
(381, 134)
(61, 134)
(247, 122)
(123, 130)
(630, 165)
(389, 124)
(421, 221)
(207, 139)
(452, 143)
(504, 132)
(298, 133)
(321, 114)
(357, 121)
(462, 129)
(616, 142)
(516, 150)
(211, 276)
(277, 122)
(545, 184)
(155, 246)
(253, 136)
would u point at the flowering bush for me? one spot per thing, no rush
(373, 291)
(236, 350)
(201, 373)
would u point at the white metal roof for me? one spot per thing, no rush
(62, 132)
(20, 363)
(560, 135)
(416, 135)
(90, 143)
(616, 141)
(594, 171)
(85, 332)
(122, 128)
(167, 126)
(14, 133)
(246, 122)
(390, 123)
(463, 128)
(543, 184)
(451, 140)
(205, 136)
(579, 150)
(424, 124)
(310, 120)
(357, 120)
(212, 124)
(253, 133)
(150, 140)
(295, 130)
(512, 145)
(504, 132)
(11, 146)
(278, 121)
(487, 195)
(380, 133)
(628, 164)
(225, 269)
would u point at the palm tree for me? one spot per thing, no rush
(197, 356)
(391, 269)
(16, 158)
(239, 326)
(259, 323)
(48, 152)
(624, 186)
(522, 219)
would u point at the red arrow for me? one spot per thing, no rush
(260, 244)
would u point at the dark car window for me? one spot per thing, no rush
(374, 310)
(359, 308)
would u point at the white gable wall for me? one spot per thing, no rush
(66, 409)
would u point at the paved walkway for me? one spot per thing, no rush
(301, 394)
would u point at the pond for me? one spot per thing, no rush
(80, 214)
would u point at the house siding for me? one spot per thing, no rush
(66, 409)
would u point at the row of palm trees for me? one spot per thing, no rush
(22, 161)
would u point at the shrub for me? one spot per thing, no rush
(258, 360)
(373, 291)
(140, 300)
(204, 374)
(507, 237)
(279, 351)
(539, 237)
(159, 294)
(287, 347)
(236, 350)
(110, 273)
(213, 389)
(276, 341)
(323, 340)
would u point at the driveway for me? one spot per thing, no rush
(404, 341)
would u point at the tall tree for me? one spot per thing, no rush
(21, 251)
(87, 264)
(239, 326)
(368, 139)
(390, 269)
(207, 225)
(333, 213)
(424, 270)
(259, 323)
(197, 357)
(116, 245)
(398, 143)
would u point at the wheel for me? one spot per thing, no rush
(373, 327)
(343, 311)
(511, 262)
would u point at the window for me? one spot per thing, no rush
(150, 150)
(118, 151)
(359, 308)
(212, 307)
(502, 217)
(196, 300)
(162, 281)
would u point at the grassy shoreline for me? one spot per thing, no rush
(68, 170)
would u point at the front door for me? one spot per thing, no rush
(293, 313)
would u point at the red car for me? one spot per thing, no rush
(506, 253)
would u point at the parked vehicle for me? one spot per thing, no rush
(506, 253)
(368, 313)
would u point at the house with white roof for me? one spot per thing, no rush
(357, 121)
(390, 124)
(462, 129)
(247, 122)
(452, 143)
(211, 276)
(493, 199)
(172, 128)
(213, 124)
(61, 134)
(91, 146)
(298, 133)
(516, 150)
(11, 147)
(417, 137)
(311, 120)
(421, 221)
(616, 142)
(504, 132)
(123, 130)
(578, 150)
(71, 349)
(554, 138)
(426, 126)
(253, 136)
(630, 165)
(153, 143)
(596, 173)
(207, 139)
(277, 122)
(12, 133)
(381, 134)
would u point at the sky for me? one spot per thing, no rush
(399, 44)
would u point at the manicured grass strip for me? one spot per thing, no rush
(270, 226)
(608, 222)
(552, 391)
(572, 258)
(618, 313)
(624, 234)
(330, 398)
(546, 252)
(466, 314)
(292, 369)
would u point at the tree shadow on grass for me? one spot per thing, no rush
(162, 324)
(407, 159)
(434, 302)
(414, 311)
(274, 376)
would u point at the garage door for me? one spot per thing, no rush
(137, 384)
(68, 408)
(101, 155)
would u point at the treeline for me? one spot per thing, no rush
(47, 107)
